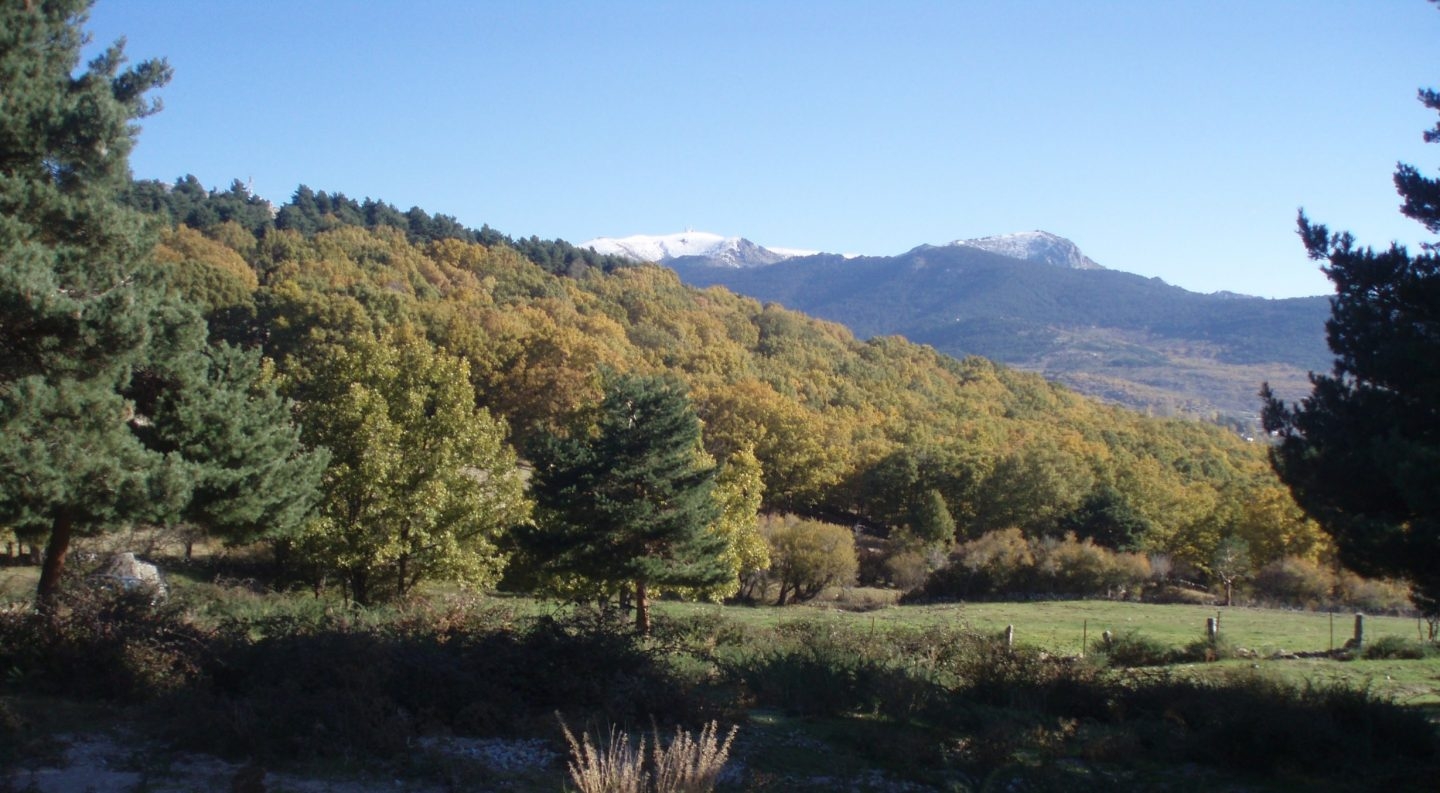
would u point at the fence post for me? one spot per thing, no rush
(1084, 637)
(1359, 630)
(1212, 628)
(1009, 637)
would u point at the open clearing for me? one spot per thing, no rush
(94, 751)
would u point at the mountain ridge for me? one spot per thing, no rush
(1123, 337)
(718, 250)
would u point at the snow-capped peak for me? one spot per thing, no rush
(727, 251)
(1039, 246)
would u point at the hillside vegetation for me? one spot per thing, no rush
(1128, 339)
(845, 429)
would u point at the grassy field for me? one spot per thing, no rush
(1064, 626)
(822, 694)
(1061, 627)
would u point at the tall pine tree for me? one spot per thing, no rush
(104, 376)
(1361, 454)
(629, 503)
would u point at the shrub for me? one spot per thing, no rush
(994, 563)
(1395, 647)
(808, 555)
(906, 569)
(1132, 649)
(1372, 595)
(1080, 567)
(1207, 650)
(1000, 561)
(365, 684)
(1258, 724)
(1295, 581)
(818, 673)
(1004, 563)
(103, 644)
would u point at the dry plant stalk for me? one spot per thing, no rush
(617, 769)
(691, 764)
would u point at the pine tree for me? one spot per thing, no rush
(1361, 454)
(102, 372)
(630, 502)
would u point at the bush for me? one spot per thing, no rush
(1004, 562)
(1396, 647)
(1079, 567)
(302, 683)
(1207, 650)
(103, 644)
(1295, 581)
(1372, 595)
(906, 570)
(809, 669)
(1257, 724)
(1130, 649)
(807, 555)
(996, 563)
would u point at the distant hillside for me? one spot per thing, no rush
(1128, 339)
(856, 431)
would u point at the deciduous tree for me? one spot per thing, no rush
(808, 555)
(421, 482)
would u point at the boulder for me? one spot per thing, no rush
(130, 575)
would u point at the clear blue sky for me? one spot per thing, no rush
(1171, 138)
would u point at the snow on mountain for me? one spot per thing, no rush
(1039, 246)
(719, 251)
(723, 251)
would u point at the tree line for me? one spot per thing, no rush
(387, 398)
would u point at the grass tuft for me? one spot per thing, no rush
(688, 763)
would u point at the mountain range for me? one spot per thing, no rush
(1034, 301)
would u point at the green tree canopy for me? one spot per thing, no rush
(628, 501)
(1361, 454)
(808, 555)
(106, 383)
(421, 483)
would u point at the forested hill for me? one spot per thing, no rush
(841, 427)
(1133, 340)
(189, 203)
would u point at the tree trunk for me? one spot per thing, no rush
(360, 588)
(54, 563)
(642, 609)
(402, 565)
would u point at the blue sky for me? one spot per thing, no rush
(1169, 138)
